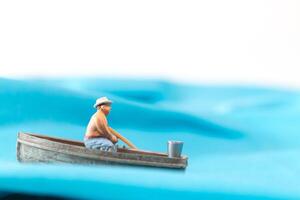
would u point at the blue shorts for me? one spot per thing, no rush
(100, 143)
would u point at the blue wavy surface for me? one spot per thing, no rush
(242, 142)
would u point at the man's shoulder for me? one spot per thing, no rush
(98, 114)
(94, 115)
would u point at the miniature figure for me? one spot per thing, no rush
(98, 133)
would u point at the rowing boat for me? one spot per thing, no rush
(41, 148)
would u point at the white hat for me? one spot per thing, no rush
(102, 100)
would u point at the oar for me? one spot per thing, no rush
(126, 141)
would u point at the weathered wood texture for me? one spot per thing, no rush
(40, 148)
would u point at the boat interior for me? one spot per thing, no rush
(78, 143)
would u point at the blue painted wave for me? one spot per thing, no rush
(242, 141)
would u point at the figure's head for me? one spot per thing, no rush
(105, 108)
(103, 104)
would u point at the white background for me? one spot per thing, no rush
(215, 41)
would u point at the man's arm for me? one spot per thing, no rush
(102, 126)
(118, 135)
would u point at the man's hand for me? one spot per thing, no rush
(115, 133)
(114, 139)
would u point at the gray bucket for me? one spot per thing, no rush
(174, 149)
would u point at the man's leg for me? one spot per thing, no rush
(103, 144)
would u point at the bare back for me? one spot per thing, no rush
(91, 130)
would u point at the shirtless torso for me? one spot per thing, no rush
(98, 127)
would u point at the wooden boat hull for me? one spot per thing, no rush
(40, 148)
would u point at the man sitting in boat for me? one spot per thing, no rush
(98, 134)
